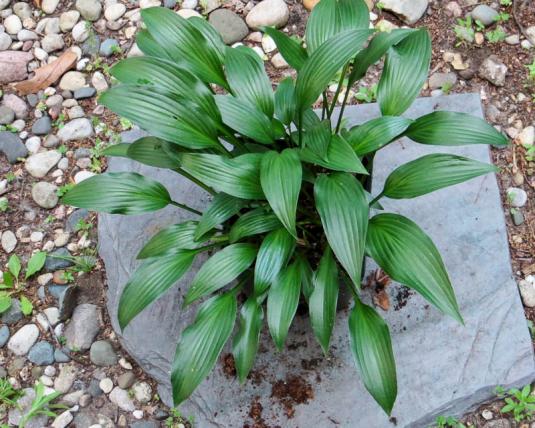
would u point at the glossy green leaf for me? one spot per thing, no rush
(117, 150)
(254, 222)
(5, 302)
(172, 119)
(150, 281)
(322, 65)
(280, 176)
(376, 133)
(220, 269)
(409, 256)
(317, 138)
(246, 339)
(14, 265)
(146, 44)
(171, 240)
(432, 172)
(118, 193)
(331, 17)
(201, 343)
(446, 128)
(405, 72)
(211, 35)
(274, 252)
(290, 49)
(26, 307)
(257, 125)
(372, 350)
(378, 46)
(340, 157)
(323, 299)
(184, 43)
(239, 176)
(248, 80)
(307, 276)
(8, 280)
(343, 208)
(285, 101)
(282, 301)
(35, 264)
(221, 209)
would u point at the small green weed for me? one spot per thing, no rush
(518, 402)
(8, 394)
(10, 176)
(448, 422)
(4, 204)
(41, 405)
(495, 36)
(367, 94)
(64, 189)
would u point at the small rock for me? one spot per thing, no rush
(62, 420)
(8, 241)
(52, 42)
(513, 39)
(12, 24)
(144, 4)
(13, 65)
(498, 423)
(51, 141)
(4, 335)
(72, 81)
(105, 385)
(493, 70)
(76, 129)
(44, 194)
(527, 290)
(58, 259)
(49, 6)
(189, 4)
(74, 219)
(13, 314)
(42, 353)
(108, 46)
(22, 10)
(83, 327)
(6, 115)
(16, 104)
(148, 424)
(61, 357)
(39, 164)
(125, 364)
(80, 32)
(126, 380)
(114, 11)
(102, 354)
(120, 398)
(33, 144)
(86, 92)
(12, 147)
(5, 41)
(440, 80)
(99, 81)
(42, 126)
(83, 175)
(21, 342)
(230, 25)
(516, 197)
(485, 14)
(89, 9)
(142, 392)
(269, 13)
(527, 136)
(65, 379)
(410, 11)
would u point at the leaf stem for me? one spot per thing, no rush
(325, 105)
(185, 207)
(374, 200)
(196, 181)
(338, 90)
(341, 114)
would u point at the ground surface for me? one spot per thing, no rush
(66, 148)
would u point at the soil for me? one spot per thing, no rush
(292, 391)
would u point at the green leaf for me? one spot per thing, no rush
(163, 115)
(151, 280)
(239, 176)
(257, 126)
(26, 306)
(248, 79)
(280, 176)
(5, 302)
(201, 343)
(340, 157)
(317, 138)
(446, 128)
(246, 339)
(376, 133)
(171, 240)
(185, 44)
(404, 73)
(343, 208)
(432, 172)
(274, 252)
(220, 269)
(118, 193)
(378, 46)
(323, 64)
(8, 280)
(372, 351)
(409, 256)
(331, 17)
(221, 209)
(285, 101)
(254, 222)
(211, 35)
(117, 150)
(323, 299)
(307, 276)
(290, 49)
(283, 298)
(14, 265)
(35, 264)
(149, 47)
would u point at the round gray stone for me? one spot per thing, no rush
(13, 314)
(231, 26)
(102, 354)
(6, 115)
(44, 194)
(89, 9)
(12, 147)
(61, 357)
(126, 380)
(42, 353)
(86, 92)
(107, 47)
(42, 126)
(485, 14)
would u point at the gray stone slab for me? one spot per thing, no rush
(443, 368)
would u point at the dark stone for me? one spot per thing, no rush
(91, 45)
(86, 92)
(107, 47)
(61, 356)
(41, 354)
(67, 302)
(13, 314)
(56, 260)
(42, 126)
(161, 415)
(94, 388)
(33, 99)
(4, 335)
(12, 146)
(75, 217)
(82, 152)
(518, 217)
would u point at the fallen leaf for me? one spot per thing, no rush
(37, 3)
(381, 299)
(48, 74)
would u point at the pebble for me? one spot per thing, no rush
(125, 364)
(106, 385)
(230, 26)
(58, 259)
(143, 4)
(61, 357)
(51, 141)
(75, 217)
(39, 164)
(278, 61)
(527, 290)
(409, 11)
(22, 10)
(21, 342)
(85, 92)
(126, 380)
(16, 104)
(102, 354)
(485, 14)
(44, 194)
(142, 392)
(13, 66)
(52, 314)
(517, 197)
(89, 9)
(5, 41)
(138, 414)
(189, 4)
(4, 335)
(80, 32)
(49, 6)
(76, 129)
(149, 424)
(493, 70)
(107, 47)
(33, 144)
(114, 11)
(12, 24)
(83, 175)
(36, 236)
(99, 81)
(269, 13)
(63, 420)
(8, 241)
(41, 354)
(42, 126)
(121, 398)
(50, 371)
(513, 39)
(91, 45)
(83, 327)
(52, 42)
(65, 379)
(12, 147)
(13, 314)
(527, 136)
(72, 81)
(6, 115)
(47, 381)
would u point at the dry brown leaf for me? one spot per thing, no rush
(37, 3)
(48, 74)
(381, 299)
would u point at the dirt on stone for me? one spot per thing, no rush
(290, 392)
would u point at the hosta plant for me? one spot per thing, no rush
(292, 216)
